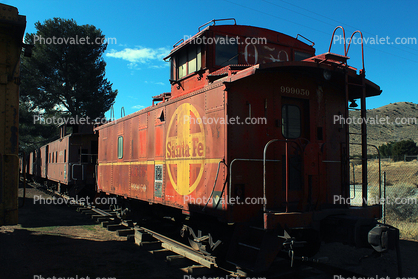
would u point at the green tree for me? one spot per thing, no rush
(33, 136)
(62, 79)
(66, 71)
(386, 149)
(404, 147)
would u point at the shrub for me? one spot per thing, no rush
(397, 150)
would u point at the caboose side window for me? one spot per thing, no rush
(195, 57)
(182, 64)
(84, 156)
(299, 56)
(173, 70)
(189, 61)
(120, 147)
(192, 60)
(198, 58)
(226, 51)
(291, 121)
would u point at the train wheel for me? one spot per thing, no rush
(310, 237)
(202, 243)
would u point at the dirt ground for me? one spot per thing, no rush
(383, 265)
(55, 240)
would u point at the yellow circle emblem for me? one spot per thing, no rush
(185, 149)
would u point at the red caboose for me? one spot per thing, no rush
(246, 137)
(67, 163)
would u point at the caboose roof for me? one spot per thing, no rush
(242, 31)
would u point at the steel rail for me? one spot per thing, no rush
(181, 249)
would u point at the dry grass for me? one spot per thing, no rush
(408, 230)
(402, 184)
(396, 173)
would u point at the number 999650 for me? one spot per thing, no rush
(295, 91)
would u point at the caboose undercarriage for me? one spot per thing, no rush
(249, 247)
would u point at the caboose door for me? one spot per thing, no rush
(295, 128)
(44, 172)
(295, 118)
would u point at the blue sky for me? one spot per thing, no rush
(146, 30)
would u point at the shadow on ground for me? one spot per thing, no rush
(55, 240)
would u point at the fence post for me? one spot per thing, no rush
(384, 197)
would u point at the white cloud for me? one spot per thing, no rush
(139, 55)
(133, 66)
(165, 65)
(138, 107)
(155, 82)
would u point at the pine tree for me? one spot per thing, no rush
(64, 76)
(404, 147)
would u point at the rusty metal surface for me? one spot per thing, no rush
(278, 47)
(174, 162)
(288, 165)
(41, 162)
(68, 162)
(170, 160)
(59, 157)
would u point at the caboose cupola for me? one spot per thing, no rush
(194, 60)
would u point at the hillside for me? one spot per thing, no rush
(380, 133)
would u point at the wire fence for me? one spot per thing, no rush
(398, 193)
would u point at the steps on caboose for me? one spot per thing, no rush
(253, 248)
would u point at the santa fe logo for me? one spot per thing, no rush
(185, 149)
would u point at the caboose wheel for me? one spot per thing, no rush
(311, 238)
(201, 243)
(198, 246)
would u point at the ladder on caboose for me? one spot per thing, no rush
(363, 114)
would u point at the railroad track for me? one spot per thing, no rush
(190, 261)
